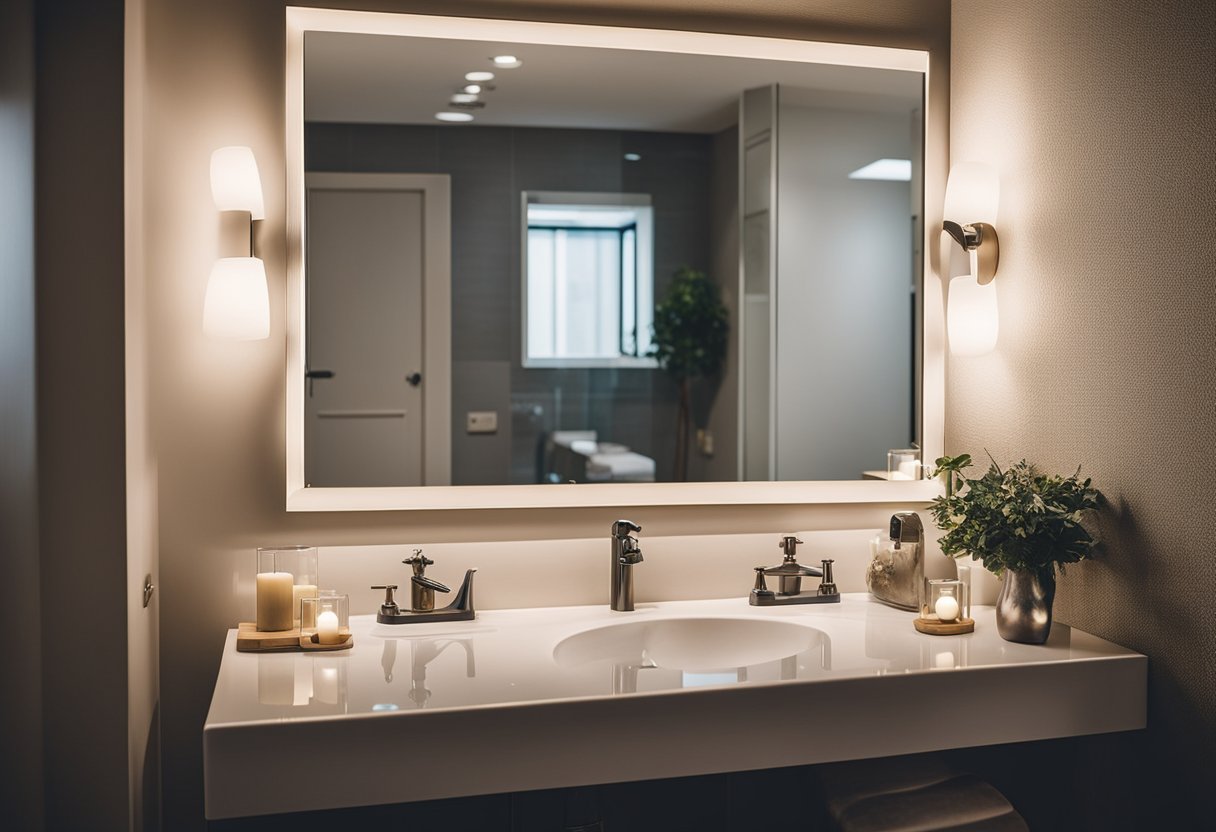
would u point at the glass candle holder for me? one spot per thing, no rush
(300, 562)
(326, 617)
(963, 570)
(946, 600)
(903, 464)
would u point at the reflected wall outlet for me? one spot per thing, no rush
(481, 421)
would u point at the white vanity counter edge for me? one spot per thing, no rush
(296, 732)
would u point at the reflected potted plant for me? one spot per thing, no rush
(690, 330)
(1023, 526)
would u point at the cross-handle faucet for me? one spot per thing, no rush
(625, 554)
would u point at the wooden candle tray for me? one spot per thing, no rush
(251, 640)
(932, 627)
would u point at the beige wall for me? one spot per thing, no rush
(1100, 118)
(215, 77)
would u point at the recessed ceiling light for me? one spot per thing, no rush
(454, 117)
(633, 157)
(464, 98)
(507, 61)
(472, 89)
(478, 77)
(892, 170)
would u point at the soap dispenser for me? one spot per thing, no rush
(897, 564)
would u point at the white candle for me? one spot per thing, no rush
(327, 627)
(907, 469)
(274, 595)
(297, 592)
(946, 608)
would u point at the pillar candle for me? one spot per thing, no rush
(274, 596)
(297, 592)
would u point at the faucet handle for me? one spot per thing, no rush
(418, 561)
(789, 545)
(429, 583)
(622, 528)
(390, 603)
(827, 586)
(631, 553)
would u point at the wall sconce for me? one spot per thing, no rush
(237, 304)
(972, 195)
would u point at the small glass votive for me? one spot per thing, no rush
(300, 562)
(946, 600)
(963, 570)
(325, 617)
(903, 464)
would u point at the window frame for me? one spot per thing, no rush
(644, 271)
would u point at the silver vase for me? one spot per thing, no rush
(1023, 607)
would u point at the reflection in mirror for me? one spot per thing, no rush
(581, 182)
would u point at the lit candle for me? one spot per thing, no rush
(327, 627)
(274, 597)
(946, 608)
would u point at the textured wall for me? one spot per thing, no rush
(215, 76)
(1100, 118)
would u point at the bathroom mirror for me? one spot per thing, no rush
(480, 265)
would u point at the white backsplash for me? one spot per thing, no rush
(573, 572)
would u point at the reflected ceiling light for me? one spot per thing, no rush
(464, 98)
(472, 89)
(633, 157)
(972, 316)
(507, 62)
(890, 170)
(479, 77)
(237, 302)
(447, 115)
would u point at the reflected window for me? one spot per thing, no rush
(588, 280)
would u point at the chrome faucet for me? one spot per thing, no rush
(791, 572)
(422, 597)
(625, 554)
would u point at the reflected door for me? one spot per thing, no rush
(365, 393)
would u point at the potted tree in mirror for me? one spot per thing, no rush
(1022, 525)
(690, 329)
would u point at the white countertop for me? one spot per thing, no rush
(426, 711)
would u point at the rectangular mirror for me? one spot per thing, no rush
(532, 263)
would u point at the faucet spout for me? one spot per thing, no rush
(626, 553)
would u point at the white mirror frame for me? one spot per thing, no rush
(300, 498)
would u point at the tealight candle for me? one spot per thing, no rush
(946, 608)
(327, 627)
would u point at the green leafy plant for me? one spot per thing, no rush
(1014, 518)
(690, 331)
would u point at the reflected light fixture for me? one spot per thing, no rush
(454, 118)
(972, 316)
(479, 77)
(506, 62)
(237, 303)
(889, 170)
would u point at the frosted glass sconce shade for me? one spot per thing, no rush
(972, 320)
(972, 196)
(237, 304)
(972, 193)
(235, 183)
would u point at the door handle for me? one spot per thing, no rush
(315, 374)
(414, 379)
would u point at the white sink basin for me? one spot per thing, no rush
(689, 644)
